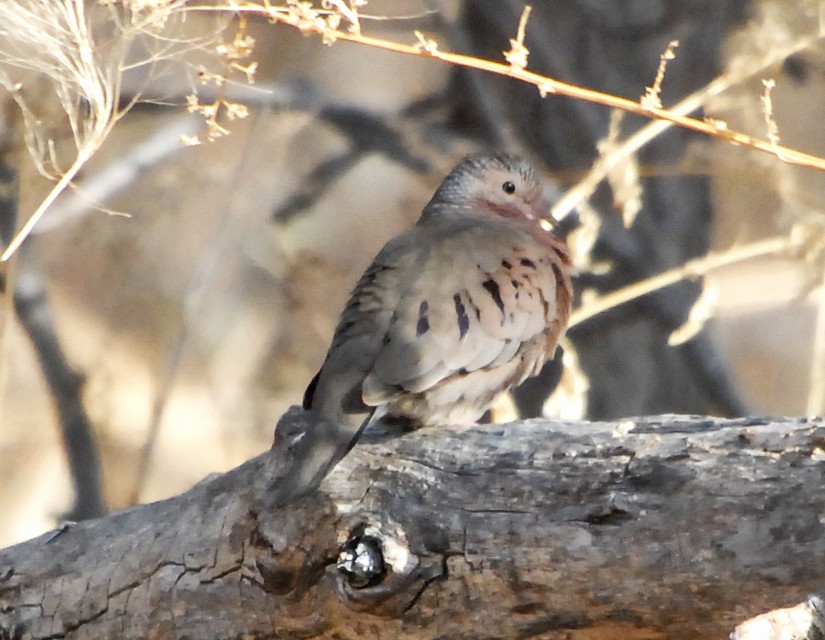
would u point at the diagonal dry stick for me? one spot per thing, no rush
(691, 270)
(429, 49)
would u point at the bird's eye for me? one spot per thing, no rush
(508, 187)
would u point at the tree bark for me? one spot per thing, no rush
(668, 527)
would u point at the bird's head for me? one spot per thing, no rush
(492, 185)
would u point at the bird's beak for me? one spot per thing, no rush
(540, 211)
(548, 224)
(543, 205)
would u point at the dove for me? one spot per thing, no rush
(450, 314)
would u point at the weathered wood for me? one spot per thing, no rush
(670, 527)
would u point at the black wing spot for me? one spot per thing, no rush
(423, 325)
(506, 264)
(526, 262)
(463, 318)
(472, 304)
(495, 292)
(516, 284)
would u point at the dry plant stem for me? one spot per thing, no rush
(544, 84)
(653, 93)
(643, 136)
(77, 77)
(86, 152)
(690, 270)
(94, 190)
(83, 59)
(816, 395)
(283, 15)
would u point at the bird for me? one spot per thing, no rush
(451, 313)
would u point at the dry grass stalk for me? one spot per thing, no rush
(87, 71)
(701, 311)
(57, 39)
(653, 94)
(691, 270)
(318, 22)
(600, 170)
(622, 171)
(517, 55)
(78, 53)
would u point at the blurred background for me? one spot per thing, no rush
(168, 310)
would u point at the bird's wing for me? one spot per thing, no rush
(464, 301)
(336, 391)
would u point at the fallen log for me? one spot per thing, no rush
(658, 527)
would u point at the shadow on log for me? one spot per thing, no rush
(668, 527)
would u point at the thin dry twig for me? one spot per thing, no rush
(77, 53)
(56, 39)
(767, 111)
(326, 23)
(318, 25)
(623, 176)
(221, 109)
(600, 170)
(517, 55)
(701, 311)
(691, 270)
(653, 94)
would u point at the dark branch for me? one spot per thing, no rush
(65, 385)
